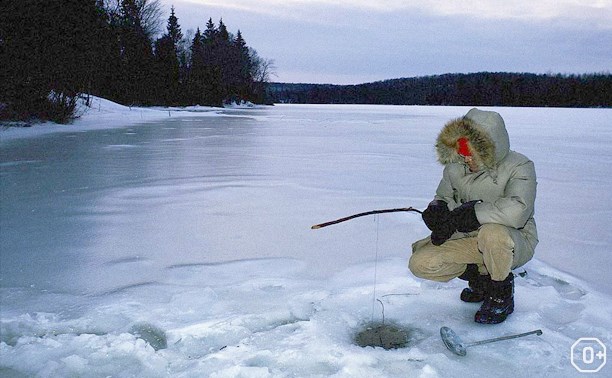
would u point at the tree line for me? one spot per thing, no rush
(482, 89)
(54, 51)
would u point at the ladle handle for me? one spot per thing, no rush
(537, 332)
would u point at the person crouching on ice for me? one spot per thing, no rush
(481, 218)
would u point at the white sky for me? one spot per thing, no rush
(349, 42)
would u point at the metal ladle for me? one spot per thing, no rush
(455, 345)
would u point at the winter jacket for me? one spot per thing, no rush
(505, 183)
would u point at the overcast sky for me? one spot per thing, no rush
(358, 41)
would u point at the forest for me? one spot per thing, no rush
(54, 51)
(474, 89)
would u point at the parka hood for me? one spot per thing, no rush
(486, 134)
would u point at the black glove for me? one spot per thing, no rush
(464, 217)
(436, 214)
(438, 219)
(443, 233)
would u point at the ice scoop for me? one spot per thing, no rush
(454, 343)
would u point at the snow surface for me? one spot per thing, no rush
(177, 242)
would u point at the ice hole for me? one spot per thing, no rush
(387, 335)
(153, 335)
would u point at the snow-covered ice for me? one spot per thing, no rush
(177, 242)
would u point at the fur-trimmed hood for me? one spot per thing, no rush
(487, 139)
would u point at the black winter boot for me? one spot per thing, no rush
(477, 284)
(499, 303)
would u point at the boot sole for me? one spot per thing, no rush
(487, 318)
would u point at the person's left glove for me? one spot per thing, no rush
(464, 217)
(441, 234)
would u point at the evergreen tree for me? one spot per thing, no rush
(212, 75)
(174, 29)
(245, 68)
(167, 63)
(166, 72)
(197, 50)
(136, 56)
(222, 33)
(210, 33)
(227, 62)
(195, 71)
(106, 52)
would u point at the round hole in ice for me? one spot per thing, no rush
(387, 336)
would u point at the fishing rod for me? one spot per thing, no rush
(321, 225)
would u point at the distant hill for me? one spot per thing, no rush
(482, 88)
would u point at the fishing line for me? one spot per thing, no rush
(375, 268)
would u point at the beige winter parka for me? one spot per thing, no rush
(505, 182)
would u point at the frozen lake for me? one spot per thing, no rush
(110, 218)
(97, 205)
(82, 209)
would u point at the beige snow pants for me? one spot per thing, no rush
(494, 248)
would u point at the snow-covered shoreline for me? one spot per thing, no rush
(105, 114)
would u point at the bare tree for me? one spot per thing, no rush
(151, 16)
(149, 12)
(262, 68)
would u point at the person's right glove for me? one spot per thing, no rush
(439, 220)
(437, 213)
